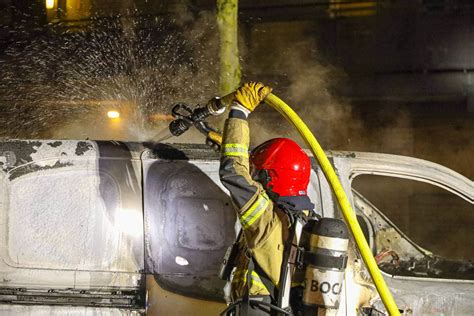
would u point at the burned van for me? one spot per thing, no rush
(96, 227)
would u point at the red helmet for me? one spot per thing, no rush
(281, 166)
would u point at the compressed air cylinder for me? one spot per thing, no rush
(325, 261)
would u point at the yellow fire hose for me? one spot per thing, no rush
(347, 211)
(215, 137)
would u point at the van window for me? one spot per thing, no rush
(432, 218)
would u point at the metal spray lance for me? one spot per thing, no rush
(185, 117)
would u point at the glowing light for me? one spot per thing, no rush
(50, 4)
(113, 114)
(129, 221)
(181, 261)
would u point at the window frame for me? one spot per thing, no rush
(349, 165)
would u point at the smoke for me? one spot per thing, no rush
(307, 87)
(301, 77)
(450, 144)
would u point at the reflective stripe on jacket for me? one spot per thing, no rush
(265, 226)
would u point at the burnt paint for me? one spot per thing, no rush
(165, 151)
(181, 152)
(431, 267)
(22, 150)
(30, 168)
(175, 225)
(55, 144)
(83, 147)
(198, 287)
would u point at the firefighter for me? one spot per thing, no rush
(266, 187)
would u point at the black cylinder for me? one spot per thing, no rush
(178, 127)
(331, 227)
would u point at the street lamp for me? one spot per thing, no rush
(113, 114)
(50, 4)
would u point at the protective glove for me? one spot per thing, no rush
(251, 94)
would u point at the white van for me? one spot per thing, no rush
(96, 227)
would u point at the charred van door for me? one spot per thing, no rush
(189, 221)
(71, 225)
(422, 216)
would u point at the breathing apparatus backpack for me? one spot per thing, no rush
(316, 246)
(325, 260)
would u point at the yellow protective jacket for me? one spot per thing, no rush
(265, 227)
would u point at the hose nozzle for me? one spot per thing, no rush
(185, 117)
(179, 127)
